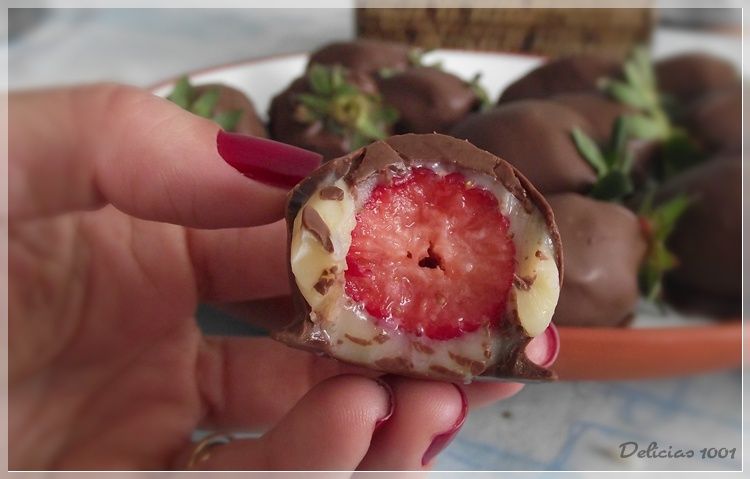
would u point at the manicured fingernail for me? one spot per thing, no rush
(543, 349)
(391, 403)
(266, 161)
(442, 440)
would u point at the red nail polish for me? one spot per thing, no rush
(391, 403)
(553, 336)
(543, 349)
(442, 440)
(266, 161)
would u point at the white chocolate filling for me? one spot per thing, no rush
(352, 333)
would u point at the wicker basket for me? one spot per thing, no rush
(542, 31)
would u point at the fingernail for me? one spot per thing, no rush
(266, 161)
(543, 349)
(442, 440)
(553, 336)
(391, 403)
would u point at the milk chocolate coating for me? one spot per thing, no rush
(363, 55)
(397, 153)
(563, 75)
(603, 247)
(690, 75)
(600, 111)
(716, 120)
(428, 99)
(535, 137)
(284, 127)
(707, 239)
(233, 99)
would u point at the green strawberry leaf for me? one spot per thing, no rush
(678, 153)
(416, 59)
(228, 119)
(182, 93)
(659, 223)
(386, 115)
(625, 93)
(634, 75)
(320, 79)
(642, 61)
(386, 72)
(371, 131)
(343, 108)
(646, 128)
(317, 105)
(613, 166)
(590, 151)
(337, 80)
(205, 104)
(415, 56)
(485, 103)
(621, 133)
(613, 186)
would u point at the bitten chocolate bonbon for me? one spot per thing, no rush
(425, 256)
(604, 248)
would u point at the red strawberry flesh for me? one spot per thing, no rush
(431, 255)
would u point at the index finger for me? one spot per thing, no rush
(84, 147)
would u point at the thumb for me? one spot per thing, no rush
(84, 147)
(330, 428)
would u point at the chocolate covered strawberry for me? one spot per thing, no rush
(330, 110)
(429, 99)
(423, 255)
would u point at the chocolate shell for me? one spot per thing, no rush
(285, 127)
(688, 76)
(535, 137)
(707, 239)
(363, 55)
(563, 75)
(321, 215)
(715, 120)
(428, 99)
(233, 99)
(603, 247)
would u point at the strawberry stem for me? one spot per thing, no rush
(485, 103)
(658, 224)
(343, 108)
(185, 96)
(613, 165)
(639, 90)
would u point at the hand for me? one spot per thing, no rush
(122, 217)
